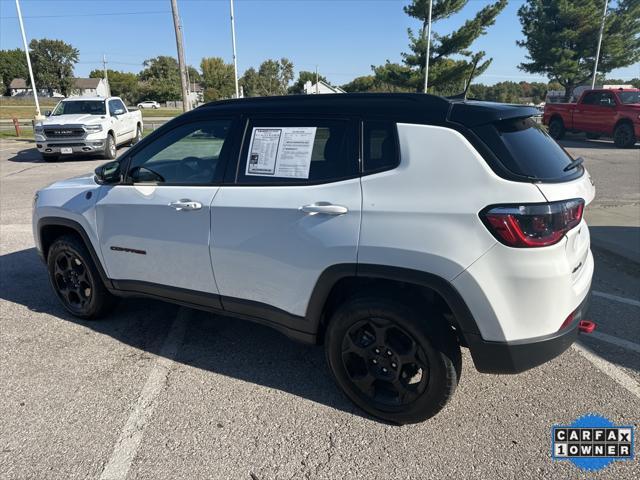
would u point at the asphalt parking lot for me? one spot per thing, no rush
(160, 391)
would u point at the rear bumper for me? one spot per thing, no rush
(520, 355)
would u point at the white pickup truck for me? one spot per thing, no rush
(87, 125)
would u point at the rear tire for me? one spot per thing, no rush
(110, 150)
(623, 136)
(137, 138)
(76, 280)
(394, 361)
(556, 128)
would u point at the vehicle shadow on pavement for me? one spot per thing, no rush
(222, 345)
(29, 155)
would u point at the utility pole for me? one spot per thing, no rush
(426, 58)
(317, 92)
(26, 51)
(233, 45)
(106, 74)
(595, 64)
(181, 63)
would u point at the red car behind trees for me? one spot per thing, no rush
(612, 113)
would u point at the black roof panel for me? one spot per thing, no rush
(409, 107)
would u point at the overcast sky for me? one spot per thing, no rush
(343, 37)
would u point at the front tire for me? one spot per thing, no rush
(556, 128)
(110, 150)
(392, 360)
(76, 280)
(623, 136)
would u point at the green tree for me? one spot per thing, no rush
(217, 78)
(160, 79)
(53, 62)
(365, 83)
(561, 38)
(194, 75)
(122, 84)
(272, 78)
(450, 59)
(303, 77)
(13, 64)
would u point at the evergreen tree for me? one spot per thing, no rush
(451, 60)
(561, 37)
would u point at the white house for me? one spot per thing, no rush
(81, 86)
(321, 87)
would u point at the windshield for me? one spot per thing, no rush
(89, 107)
(629, 97)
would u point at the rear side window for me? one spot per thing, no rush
(380, 146)
(292, 151)
(526, 149)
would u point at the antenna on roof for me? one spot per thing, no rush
(463, 95)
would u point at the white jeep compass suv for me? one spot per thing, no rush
(393, 228)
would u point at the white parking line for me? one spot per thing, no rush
(620, 342)
(130, 438)
(615, 373)
(616, 298)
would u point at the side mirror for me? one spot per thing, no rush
(47, 113)
(118, 111)
(108, 173)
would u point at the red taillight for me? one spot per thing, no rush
(536, 225)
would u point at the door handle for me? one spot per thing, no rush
(324, 207)
(185, 204)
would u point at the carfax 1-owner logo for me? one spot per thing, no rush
(592, 442)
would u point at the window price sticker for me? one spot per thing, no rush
(281, 152)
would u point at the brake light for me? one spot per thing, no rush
(534, 225)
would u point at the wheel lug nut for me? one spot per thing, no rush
(388, 353)
(393, 365)
(377, 350)
(374, 361)
(384, 370)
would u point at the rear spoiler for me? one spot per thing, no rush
(472, 113)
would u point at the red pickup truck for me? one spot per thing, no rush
(612, 113)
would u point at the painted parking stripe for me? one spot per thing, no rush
(126, 447)
(616, 298)
(609, 369)
(620, 342)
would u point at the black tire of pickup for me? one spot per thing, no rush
(408, 367)
(623, 136)
(556, 128)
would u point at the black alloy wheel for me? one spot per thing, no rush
(385, 362)
(73, 281)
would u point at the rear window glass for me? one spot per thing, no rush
(525, 148)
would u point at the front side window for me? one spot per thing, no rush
(301, 151)
(74, 107)
(606, 100)
(115, 105)
(380, 146)
(187, 155)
